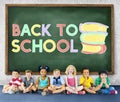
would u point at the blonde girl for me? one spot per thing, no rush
(71, 81)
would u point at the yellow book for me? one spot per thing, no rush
(92, 27)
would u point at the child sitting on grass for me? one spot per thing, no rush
(57, 84)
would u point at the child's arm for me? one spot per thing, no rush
(37, 82)
(22, 85)
(11, 81)
(105, 82)
(63, 85)
(98, 84)
(84, 82)
(48, 81)
(92, 82)
(76, 81)
(30, 86)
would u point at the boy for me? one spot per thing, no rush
(57, 84)
(87, 81)
(103, 83)
(28, 82)
(14, 84)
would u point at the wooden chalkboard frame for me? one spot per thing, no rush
(59, 5)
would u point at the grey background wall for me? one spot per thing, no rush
(115, 79)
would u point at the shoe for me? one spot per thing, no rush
(81, 92)
(11, 92)
(113, 92)
(68, 93)
(43, 93)
(39, 91)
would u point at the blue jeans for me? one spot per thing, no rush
(106, 90)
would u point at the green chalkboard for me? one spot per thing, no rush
(47, 17)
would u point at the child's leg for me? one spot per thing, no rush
(71, 90)
(22, 88)
(14, 88)
(59, 90)
(97, 88)
(106, 91)
(5, 88)
(33, 88)
(51, 88)
(45, 89)
(112, 90)
(89, 90)
(79, 88)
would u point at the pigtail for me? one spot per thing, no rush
(47, 68)
(39, 68)
(44, 67)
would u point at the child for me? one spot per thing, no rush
(57, 84)
(71, 81)
(14, 84)
(43, 81)
(103, 83)
(87, 81)
(28, 82)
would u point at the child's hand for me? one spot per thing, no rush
(86, 77)
(104, 81)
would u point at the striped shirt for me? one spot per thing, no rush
(15, 81)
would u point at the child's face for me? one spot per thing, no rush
(71, 70)
(103, 76)
(43, 72)
(86, 73)
(15, 74)
(56, 74)
(28, 75)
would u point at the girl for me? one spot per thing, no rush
(43, 80)
(71, 81)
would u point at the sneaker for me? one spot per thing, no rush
(113, 92)
(39, 91)
(81, 92)
(43, 93)
(11, 92)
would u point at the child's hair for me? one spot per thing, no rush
(103, 72)
(43, 67)
(74, 69)
(15, 70)
(56, 70)
(28, 71)
(85, 68)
